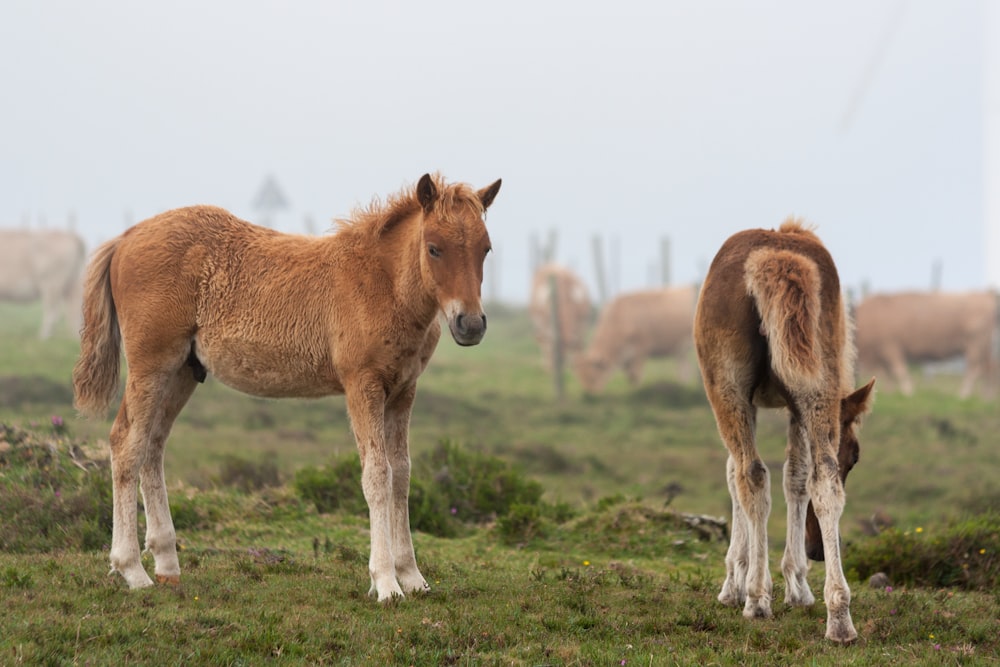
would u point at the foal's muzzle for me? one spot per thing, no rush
(467, 329)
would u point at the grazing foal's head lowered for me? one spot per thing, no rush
(196, 291)
(771, 331)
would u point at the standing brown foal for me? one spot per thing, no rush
(771, 331)
(196, 291)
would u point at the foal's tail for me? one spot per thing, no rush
(97, 371)
(785, 286)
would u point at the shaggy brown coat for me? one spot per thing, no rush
(197, 291)
(771, 331)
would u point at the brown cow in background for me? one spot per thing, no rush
(573, 306)
(44, 265)
(637, 326)
(894, 330)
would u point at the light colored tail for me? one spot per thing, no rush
(97, 371)
(785, 286)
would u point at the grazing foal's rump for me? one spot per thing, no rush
(771, 331)
(196, 291)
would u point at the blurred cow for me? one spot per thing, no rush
(637, 326)
(44, 265)
(573, 306)
(896, 329)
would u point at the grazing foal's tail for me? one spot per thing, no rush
(785, 286)
(96, 374)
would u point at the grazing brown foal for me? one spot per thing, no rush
(771, 331)
(196, 291)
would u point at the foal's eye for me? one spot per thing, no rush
(434, 251)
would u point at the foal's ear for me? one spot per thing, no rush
(427, 192)
(858, 403)
(489, 193)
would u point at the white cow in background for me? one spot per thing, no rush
(572, 303)
(894, 330)
(636, 326)
(44, 265)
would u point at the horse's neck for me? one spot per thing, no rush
(400, 252)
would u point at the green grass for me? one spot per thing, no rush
(266, 578)
(255, 592)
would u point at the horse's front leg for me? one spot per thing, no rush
(397, 425)
(366, 406)
(827, 492)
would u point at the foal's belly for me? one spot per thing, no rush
(270, 371)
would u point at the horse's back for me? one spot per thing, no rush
(245, 300)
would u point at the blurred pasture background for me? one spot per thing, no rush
(923, 458)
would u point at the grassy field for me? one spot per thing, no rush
(623, 583)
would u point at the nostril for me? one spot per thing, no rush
(484, 321)
(459, 322)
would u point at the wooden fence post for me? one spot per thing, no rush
(665, 261)
(557, 341)
(602, 280)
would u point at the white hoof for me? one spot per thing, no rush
(135, 577)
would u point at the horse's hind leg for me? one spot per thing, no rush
(734, 588)
(161, 539)
(129, 440)
(794, 565)
(896, 363)
(750, 486)
(136, 449)
(977, 363)
(397, 419)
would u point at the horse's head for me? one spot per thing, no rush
(593, 371)
(852, 408)
(455, 244)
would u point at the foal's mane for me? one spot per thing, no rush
(379, 215)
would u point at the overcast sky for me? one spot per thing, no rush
(630, 120)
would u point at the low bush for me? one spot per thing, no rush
(522, 524)
(53, 495)
(451, 488)
(249, 476)
(333, 487)
(964, 553)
